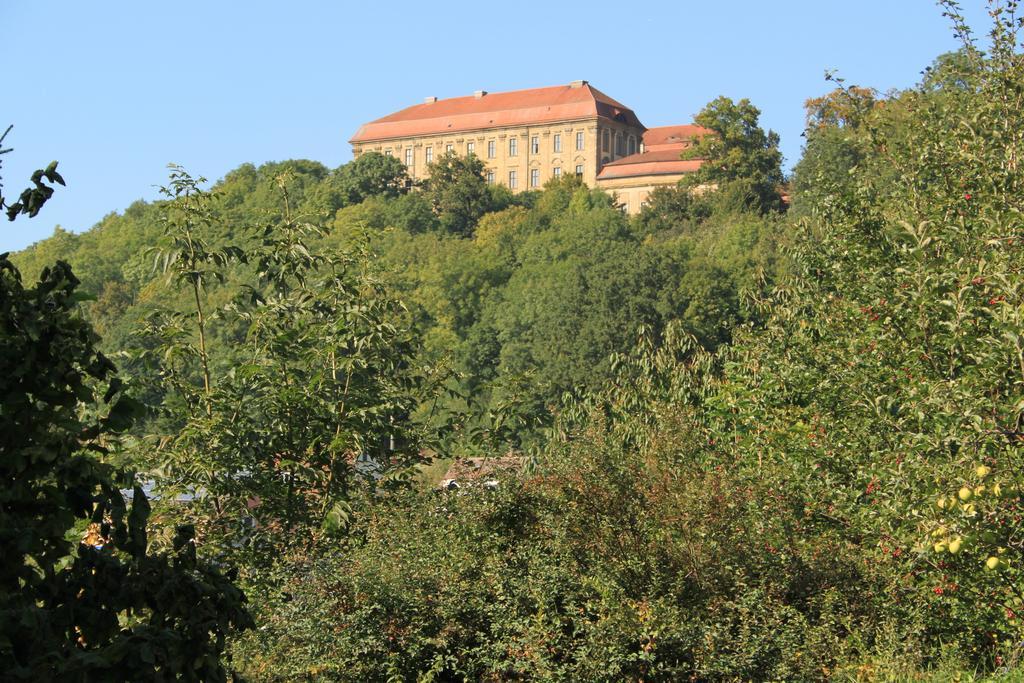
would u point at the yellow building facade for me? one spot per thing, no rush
(659, 163)
(524, 137)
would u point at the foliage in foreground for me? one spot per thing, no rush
(264, 442)
(109, 609)
(835, 495)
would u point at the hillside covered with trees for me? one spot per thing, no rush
(758, 441)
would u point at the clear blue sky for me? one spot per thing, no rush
(116, 90)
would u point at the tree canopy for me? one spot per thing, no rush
(715, 441)
(458, 192)
(371, 175)
(742, 161)
(77, 606)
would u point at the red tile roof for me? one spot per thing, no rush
(663, 148)
(644, 157)
(517, 108)
(472, 470)
(672, 137)
(649, 163)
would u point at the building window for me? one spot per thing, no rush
(387, 152)
(631, 145)
(513, 147)
(470, 148)
(535, 145)
(490, 177)
(430, 154)
(448, 149)
(408, 157)
(557, 171)
(492, 149)
(558, 142)
(605, 140)
(535, 177)
(619, 147)
(512, 178)
(579, 141)
(579, 170)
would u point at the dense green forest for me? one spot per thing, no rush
(758, 441)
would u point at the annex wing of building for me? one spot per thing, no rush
(525, 137)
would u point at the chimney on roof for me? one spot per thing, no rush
(479, 93)
(429, 100)
(577, 84)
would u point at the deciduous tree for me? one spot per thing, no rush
(371, 175)
(458, 192)
(742, 161)
(107, 609)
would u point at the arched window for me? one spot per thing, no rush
(631, 145)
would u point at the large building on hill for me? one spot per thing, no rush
(659, 162)
(525, 137)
